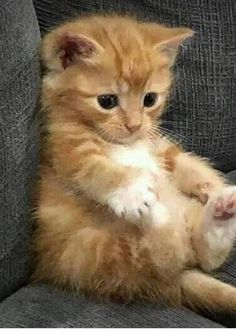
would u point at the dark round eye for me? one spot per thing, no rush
(150, 99)
(108, 101)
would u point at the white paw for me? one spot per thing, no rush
(135, 200)
(159, 214)
(221, 209)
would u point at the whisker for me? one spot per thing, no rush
(171, 135)
(105, 134)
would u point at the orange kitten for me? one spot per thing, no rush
(115, 213)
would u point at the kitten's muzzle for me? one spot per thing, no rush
(133, 127)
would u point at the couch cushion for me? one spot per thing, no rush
(41, 306)
(232, 176)
(202, 110)
(19, 86)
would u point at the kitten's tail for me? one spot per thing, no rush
(203, 291)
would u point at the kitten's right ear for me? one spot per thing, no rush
(63, 48)
(171, 41)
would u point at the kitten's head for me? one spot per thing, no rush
(110, 73)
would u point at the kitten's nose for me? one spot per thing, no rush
(133, 127)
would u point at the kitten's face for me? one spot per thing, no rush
(114, 82)
(119, 108)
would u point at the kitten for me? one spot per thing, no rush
(124, 213)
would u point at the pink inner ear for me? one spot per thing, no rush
(72, 47)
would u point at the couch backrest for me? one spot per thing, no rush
(19, 88)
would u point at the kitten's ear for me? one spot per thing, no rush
(61, 49)
(173, 39)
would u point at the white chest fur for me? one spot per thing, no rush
(136, 155)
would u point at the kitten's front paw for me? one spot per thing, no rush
(135, 200)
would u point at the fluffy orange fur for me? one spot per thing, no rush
(115, 214)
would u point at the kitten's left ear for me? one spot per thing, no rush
(169, 46)
(66, 46)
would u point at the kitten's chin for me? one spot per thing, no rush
(129, 140)
(125, 140)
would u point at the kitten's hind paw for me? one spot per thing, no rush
(224, 206)
(221, 209)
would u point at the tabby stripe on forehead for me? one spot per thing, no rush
(118, 57)
(74, 93)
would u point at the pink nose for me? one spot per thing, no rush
(133, 127)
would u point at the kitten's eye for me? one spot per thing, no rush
(150, 99)
(108, 101)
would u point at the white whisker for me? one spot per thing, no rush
(157, 130)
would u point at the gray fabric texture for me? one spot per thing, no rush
(43, 307)
(202, 111)
(19, 86)
(232, 176)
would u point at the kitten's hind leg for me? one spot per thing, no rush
(214, 237)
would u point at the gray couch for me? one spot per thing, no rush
(201, 114)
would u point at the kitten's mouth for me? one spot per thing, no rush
(124, 139)
(131, 138)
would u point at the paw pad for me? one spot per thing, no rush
(224, 205)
